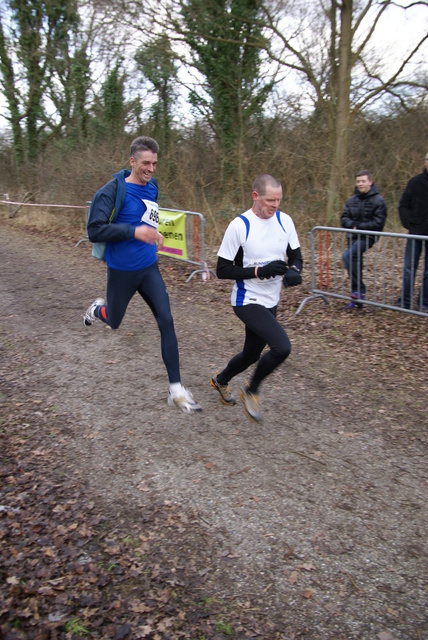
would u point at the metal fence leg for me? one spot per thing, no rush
(302, 304)
(203, 271)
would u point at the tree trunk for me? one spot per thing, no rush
(336, 187)
(12, 101)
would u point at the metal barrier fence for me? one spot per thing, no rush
(382, 269)
(194, 240)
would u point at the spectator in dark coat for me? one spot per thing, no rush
(413, 212)
(366, 211)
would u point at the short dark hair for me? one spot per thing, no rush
(143, 143)
(261, 182)
(365, 172)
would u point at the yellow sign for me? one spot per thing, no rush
(172, 225)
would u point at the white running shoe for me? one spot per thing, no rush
(184, 401)
(89, 316)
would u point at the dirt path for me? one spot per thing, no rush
(319, 515)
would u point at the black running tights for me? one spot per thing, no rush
(121, 286)
(261, 329)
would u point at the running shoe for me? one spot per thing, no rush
(250, 402)
(225, 396)
(184, 401)
(89, 316)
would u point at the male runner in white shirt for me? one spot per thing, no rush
(261, 252)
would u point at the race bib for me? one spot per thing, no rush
(151, 214)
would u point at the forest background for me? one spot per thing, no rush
(310, 92)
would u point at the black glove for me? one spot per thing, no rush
(272, 269)
(292, 278)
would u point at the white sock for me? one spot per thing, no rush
(175, 388)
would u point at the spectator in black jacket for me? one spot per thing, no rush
(365, 210)
(413, 212)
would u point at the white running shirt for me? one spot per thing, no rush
(262, 241)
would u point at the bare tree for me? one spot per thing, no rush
(156, 61)
(329, 43)
(331, 46)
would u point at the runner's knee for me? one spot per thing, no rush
(165, 322)
(281, 351)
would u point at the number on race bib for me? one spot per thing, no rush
(151, 214)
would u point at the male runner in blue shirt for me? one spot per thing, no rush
(131, 258)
